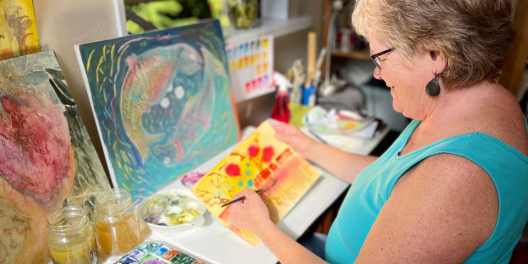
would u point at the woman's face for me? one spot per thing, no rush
(407, 83)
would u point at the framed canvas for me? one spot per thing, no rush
(163, 103)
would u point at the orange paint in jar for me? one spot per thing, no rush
(117, 224)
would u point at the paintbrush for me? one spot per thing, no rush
(310, 58)
(298, 70)
(257, 191)
(313, 74)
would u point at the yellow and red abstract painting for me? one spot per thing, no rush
(256, 163)
(18, 29)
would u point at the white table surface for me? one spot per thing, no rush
(214, 243)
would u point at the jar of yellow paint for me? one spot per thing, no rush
(117, 224)
(71, 237)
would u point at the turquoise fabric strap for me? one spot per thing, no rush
(507, 167)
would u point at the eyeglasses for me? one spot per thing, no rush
(376, 59)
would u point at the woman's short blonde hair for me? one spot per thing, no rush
(474, 36)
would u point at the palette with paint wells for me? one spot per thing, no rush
(172, 210)
(157, 253)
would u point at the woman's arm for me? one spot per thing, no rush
(440, 211)
(340, 163)
(287, 250)
(253, 215)
(344, 165)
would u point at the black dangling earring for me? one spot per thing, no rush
(433, 87)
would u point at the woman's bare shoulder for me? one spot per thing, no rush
(498, 114)
(444, 210)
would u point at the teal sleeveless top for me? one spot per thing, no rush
(507, 167)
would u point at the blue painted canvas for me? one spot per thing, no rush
(163, 103)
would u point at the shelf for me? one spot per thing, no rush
(271, 26)
(360, 55)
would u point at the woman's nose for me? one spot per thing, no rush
(377, 73)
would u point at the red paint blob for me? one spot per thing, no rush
(253, 150)
(267, 154)
(232, 170)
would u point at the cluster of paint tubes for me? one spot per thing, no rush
(250, 64)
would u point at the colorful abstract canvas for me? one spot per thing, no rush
(256, 163)
(46, 156)
(162, 101)
(18, 30)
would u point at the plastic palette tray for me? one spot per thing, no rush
(157, 253)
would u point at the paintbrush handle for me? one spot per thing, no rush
(234, 201)
(244, 197)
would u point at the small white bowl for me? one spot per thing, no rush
(196, 222)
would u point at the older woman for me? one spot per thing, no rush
(452, 187)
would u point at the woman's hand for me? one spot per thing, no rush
(296, 139)
(251, 213)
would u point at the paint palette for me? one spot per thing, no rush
(333, 122)
(172, 210)
(157, 253)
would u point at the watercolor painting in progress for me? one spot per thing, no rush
(18, 29)
(47, 158)
(162, 101)
(256, 163)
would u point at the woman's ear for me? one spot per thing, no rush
(437, 59)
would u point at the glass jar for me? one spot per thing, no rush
(116, 222)
(242, 13)
(71, 238)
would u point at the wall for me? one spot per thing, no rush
(65, 23)
(294, 46)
